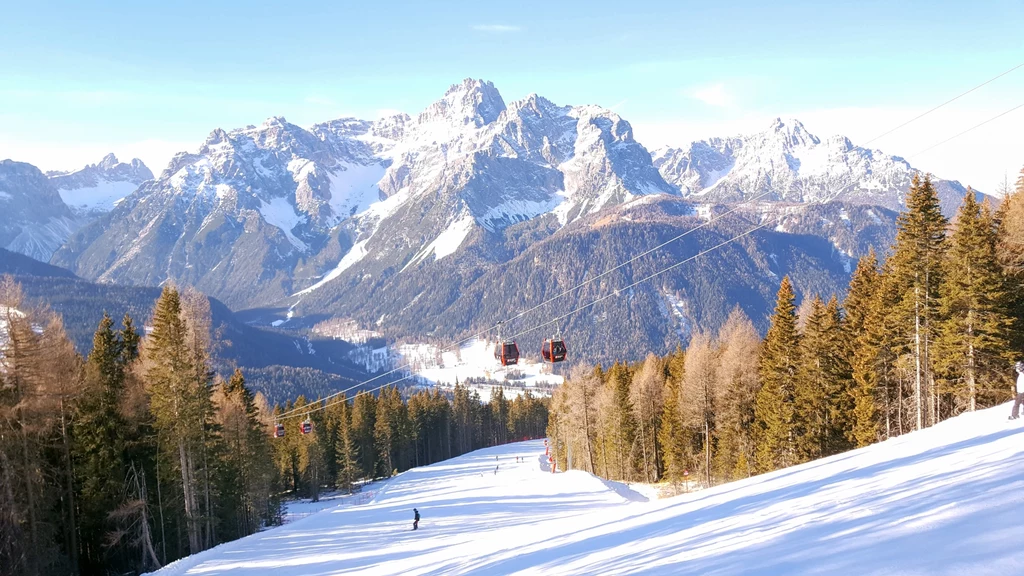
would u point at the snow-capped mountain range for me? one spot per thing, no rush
(254, 215)
(787, 163)
(353, 217)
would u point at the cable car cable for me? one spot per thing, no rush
(932, 147)
(951, 100)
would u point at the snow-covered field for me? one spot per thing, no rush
(947, 500)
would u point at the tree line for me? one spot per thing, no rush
(927, 332)
(371, 436)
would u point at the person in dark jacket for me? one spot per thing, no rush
(1019, 399)
(416, 519)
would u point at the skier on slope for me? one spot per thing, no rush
(1019, 400)
(416, 519)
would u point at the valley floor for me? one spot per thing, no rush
(946, 500)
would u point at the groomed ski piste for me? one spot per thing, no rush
(945, 500)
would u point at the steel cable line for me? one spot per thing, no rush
(951, 100)
(458, 344)
(997, 116)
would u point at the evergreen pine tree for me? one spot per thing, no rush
(862, 351)
(916, 272)
(180, 404)
(775, 433)
(972, 346)
(99, 443)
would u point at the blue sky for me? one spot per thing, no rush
(147, 79)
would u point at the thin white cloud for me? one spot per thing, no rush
(713, 95)
(618, 105)
(496, 28)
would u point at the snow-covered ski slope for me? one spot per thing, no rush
(947, 500)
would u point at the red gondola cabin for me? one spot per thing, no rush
(306, 427)
(553, 350)
(506, 352)
(278, 430)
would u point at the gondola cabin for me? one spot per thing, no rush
(306, 427)
(553, 350)
(506, 352)
(278, 430)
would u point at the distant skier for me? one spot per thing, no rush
(1019, 400)
(415, 519)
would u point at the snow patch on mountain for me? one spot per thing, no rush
(448, 241)
(354, 188)
(357, 253)
(280, 213)
(97, 188)
(99, 198)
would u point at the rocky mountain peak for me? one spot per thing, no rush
(473, 102)
(108, 162)
(217, 136)
(792, 133)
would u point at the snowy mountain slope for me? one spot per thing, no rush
(945, 500)
(35, 221)
(97, 188)
(793, 165)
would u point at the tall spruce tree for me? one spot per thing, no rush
(775, 432)
(917, 266)
(181, 406)
(673, 435)
(861, 350)
(972, 344)
(1010, 232)
(821, 390)
(99, 442)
